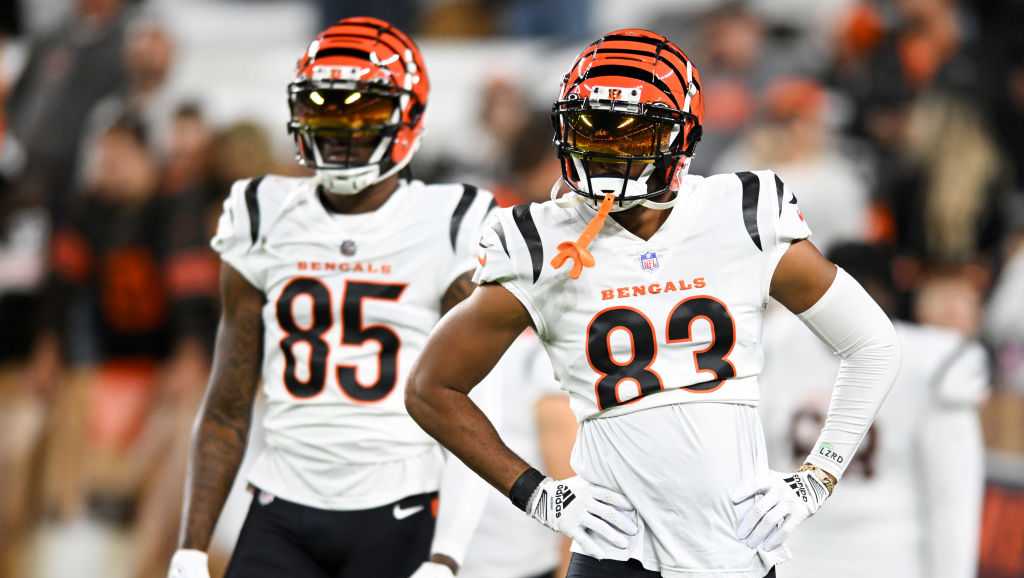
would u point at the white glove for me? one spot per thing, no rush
(584, 512)
(772, 505)
(433, 570)
(189, 564)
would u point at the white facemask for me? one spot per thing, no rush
(357, 179)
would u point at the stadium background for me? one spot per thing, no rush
(900, 122)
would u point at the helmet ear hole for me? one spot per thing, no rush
(571, 169)
(415, 113)
(692, 138)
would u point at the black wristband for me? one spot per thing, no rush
(524, 487)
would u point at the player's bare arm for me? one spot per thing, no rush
(222, 427)
(463, 348)
(802, 277)
(457, 292)
(845, 317)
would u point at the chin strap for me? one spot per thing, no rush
(577, 250)
(652, 204)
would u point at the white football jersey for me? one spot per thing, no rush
(350, 301)
(672, 319)
(876, 524)
(661, 325)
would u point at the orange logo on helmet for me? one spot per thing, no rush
(614, 93)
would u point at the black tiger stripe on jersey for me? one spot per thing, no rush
(500, 231)
(780, 187)
(252, 205)
(528, 229)
(469, 193)
(751, 194)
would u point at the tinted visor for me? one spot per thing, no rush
(349, 112)
(614, 134)
(346, 126)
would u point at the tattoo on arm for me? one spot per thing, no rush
(461, 288)
(222, 426)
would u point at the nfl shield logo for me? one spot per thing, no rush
(649, 261)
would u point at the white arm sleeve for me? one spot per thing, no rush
(859, 332)
(464, 493)
(952, 478)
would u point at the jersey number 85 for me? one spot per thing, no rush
(353, 332)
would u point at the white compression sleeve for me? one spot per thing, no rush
(859, 332)
(463, 493)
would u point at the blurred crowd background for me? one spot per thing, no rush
(122, 123)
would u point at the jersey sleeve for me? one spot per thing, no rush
(501, 260)
(963, 377)
(238, 231)
(781, 220)
(464, 230)
(537, 370)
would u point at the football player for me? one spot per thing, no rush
(654, 330)
(330, 285)
(911, 499)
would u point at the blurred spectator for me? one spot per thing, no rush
(950, 298)
(736, 63)
(884, 59)
(934, 46)
(114, 420)
(147, 59)
(564, 20)
(792, 138)
(533, 165)
(68, 72)
(451, 19)
(482, 154)
(945, 192)
(240, 151)
(197, 177)
(404, 14)
(187, 162)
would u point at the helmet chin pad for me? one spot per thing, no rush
(357, 179)
(348, 181)
(634, 192)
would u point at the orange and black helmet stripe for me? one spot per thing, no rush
(634, 54)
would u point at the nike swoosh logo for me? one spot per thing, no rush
(401, 513)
